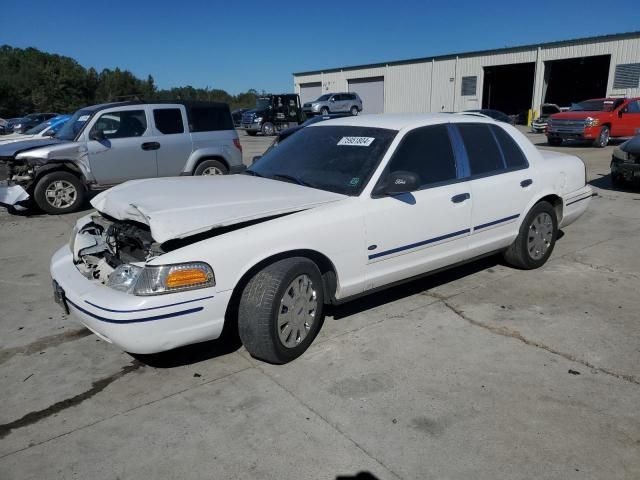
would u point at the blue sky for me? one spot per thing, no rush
(245, 44)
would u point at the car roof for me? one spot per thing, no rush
(399, 121)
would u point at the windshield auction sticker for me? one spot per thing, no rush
(356, 141)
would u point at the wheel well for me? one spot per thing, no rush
(58, 167)
(212, 157)
(556, 202)
(326, 267)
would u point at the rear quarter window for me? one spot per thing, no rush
(513, 156)
(209, 118)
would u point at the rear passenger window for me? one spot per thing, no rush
(168, 120)
(482, 149)
(426, 152)
(204, 118)
(513, 156)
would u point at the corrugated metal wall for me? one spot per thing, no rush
(435, 85)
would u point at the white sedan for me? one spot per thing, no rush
(340, 209)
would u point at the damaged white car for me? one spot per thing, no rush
(341, 209)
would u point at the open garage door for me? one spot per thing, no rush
(310, 91)
(575, 79)
(371, 91)
(509, 88)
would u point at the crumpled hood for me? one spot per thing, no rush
(177, 207)
(13, 148)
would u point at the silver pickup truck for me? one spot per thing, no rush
(104, 145)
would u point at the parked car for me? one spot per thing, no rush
(495, 114)
(272, 114)
(11, 122)
(3, 126)
(107, 144)
(342, 208)
(539, 125)
(237, 116)
(625, 162)
(595, 120)
(334, 103)
(29, 121)
(46, 129)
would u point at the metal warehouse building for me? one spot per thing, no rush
(513, 80)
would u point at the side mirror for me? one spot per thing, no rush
(255, 159)
(401, 182)
(50, 133)
(97, 135)
(332, 99)
(620, 112)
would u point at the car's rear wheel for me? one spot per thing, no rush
(324, 111)
(354, 111)
(536, 238)
(211, 167)
(59, 192)
(281, 310)
(603, 137)
(554, 142)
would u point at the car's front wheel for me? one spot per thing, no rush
(324, 111)
(536, 238)
(554, 142)
(59, 192)
(281, 310)
(603, 138)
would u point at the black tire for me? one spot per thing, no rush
(324, 111)
(208, 165)
(617, 180)
(47, 181)
(354, 111)
(518, 254)
(268, 129)
(251, 133)
(603, 137)
(554, 142)
(260, 306)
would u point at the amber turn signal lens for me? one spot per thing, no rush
(186, 278)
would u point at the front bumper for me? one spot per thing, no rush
(573, 133)
(629, 172)
(252, 127)
(140, 324)
(13, 196)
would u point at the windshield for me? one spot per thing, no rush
(71, 129)
(324, 98)
(339, 159)
(595, 106)
(263, 103)
(39, 128)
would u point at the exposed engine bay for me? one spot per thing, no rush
(103, 244)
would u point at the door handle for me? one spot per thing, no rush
(460, 197)
(526, 183)
(150, 146)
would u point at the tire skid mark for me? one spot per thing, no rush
(96, 387)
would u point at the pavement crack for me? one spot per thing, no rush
(96, 387)
(507, 332)
(43, 343)
(602, 268)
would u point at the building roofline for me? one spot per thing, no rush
(613, 36)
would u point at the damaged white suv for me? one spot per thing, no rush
(341, 209)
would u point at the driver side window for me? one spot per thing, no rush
(427, 152)
(125, 124)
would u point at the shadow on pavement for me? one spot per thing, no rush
(605, 183)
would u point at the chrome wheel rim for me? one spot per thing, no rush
(540, 236)
(268, 130)
(354, 111)
(604, 137)
(61, 194)
(297, 314)
(212, 171)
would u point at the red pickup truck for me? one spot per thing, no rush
(596, 120)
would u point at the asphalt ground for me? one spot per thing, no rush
(480, 372)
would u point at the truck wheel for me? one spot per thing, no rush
(324, 111)
(354, 111)
(617, 180)
(59, 192)
(211, 167)
(268, 129)
(603, 138)
(554, 142)
(280, 311)
(536, 238)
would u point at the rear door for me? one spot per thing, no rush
(501, 184)
(171, 134)
(124, 154)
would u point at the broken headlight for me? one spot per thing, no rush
(157, 280)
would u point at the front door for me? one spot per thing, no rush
(126, 151)
(416, 232)
(629, 119)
